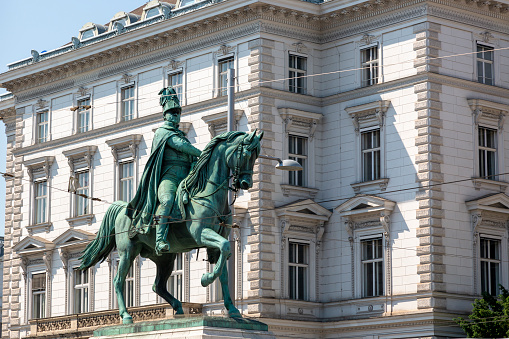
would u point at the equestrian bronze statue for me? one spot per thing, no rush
(175, 212)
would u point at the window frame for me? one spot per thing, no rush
(301, 73)
(364, 262)
(298, 178)
(307, 245)
(123, 179)
(86, 307)
(39, 171)
(484, 62)
(483, 167)
(38, 113)
(220, 91)
(484, 237)
(37, 271)
(87, 112)
(176, 275)
(180, 87)
(123, 101)
(365, 118)
(364, 64)
(371, 150)
(37, 211)
(135, 280)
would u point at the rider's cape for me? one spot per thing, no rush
(144, 204)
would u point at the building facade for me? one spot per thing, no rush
(395, 109)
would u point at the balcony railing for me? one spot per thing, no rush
(83, 325)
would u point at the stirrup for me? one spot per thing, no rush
(165, 249)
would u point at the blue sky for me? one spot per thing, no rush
(45, 25)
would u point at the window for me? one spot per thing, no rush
(152, 12)
(370, 148)
(372, 267)
(298, 270)
(490, 265)
(38, 295)
(369, 65)
(87, 34)
(175, 81)
(127, 103)
(82, 192)
(175, 282)
(126, 181)
(297, 67)
(42, 126)
(81, 288)
(83, 115)
(487, 153)
(297, 150)
(224, 65)
(485, 64)
(41, 201)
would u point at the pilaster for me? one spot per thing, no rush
(429, 160)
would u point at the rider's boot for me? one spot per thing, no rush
(162, 244)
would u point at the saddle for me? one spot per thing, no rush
(178, 212)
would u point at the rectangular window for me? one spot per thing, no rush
(175, 282)
(126, 181)
(38, 295)
(175, 81)
(370, 148)
(490, 265)
(485, 64)
(298, 270)
(372, 267)
(297, 69)
(82, 192)
(42, 126)
(297, 150)
(83, 115)
(369, 65)
(41, 201)
(127, 103)
(488, 153)
(129, 287)
(81, 285)
(224, 65)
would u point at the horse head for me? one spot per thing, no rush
(241, 159)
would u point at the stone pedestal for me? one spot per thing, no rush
(189, 327)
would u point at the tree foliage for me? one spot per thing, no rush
(489, 317)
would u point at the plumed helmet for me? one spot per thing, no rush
(169, 99)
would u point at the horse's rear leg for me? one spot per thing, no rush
(164, 265)
(126, 260)
(228, 303)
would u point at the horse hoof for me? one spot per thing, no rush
(127, 320)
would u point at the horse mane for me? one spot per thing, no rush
(197, 178)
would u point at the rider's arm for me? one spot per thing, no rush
(183, 145)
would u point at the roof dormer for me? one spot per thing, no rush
(183, 3)
(155, 8)
(90, 30)
(122, 19)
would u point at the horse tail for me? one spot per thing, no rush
(104, 242)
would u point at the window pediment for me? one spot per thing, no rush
(218, 122)
(366, 211)
(488, 113)
(81, 154)
(490, 211)
(303, 216)
(298, 121)
(33, 246)
(39, 166)
(73, 238)
(367, 115)
(128, 143)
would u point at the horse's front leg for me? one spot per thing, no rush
(209, 238)
(228, 303)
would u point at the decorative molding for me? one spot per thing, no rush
(81, 154)
(369, 114)
(174, 65)
(127, 78)
(42, 164)
(224, 50)
(488, 112)
(299, 191)
(368, 39)
(83, 91)
(373, 184)
(128, 143)
(299, 121)
(217, 122)
(485, 36)
(300, 48)
(41, 104)
(491, 185)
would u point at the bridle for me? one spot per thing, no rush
(240, 156)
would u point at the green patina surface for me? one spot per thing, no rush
(184, 322)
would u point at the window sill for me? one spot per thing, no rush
(299, 191)
(491, 185)
(81, 220)
(370, 185)
(39, 227)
